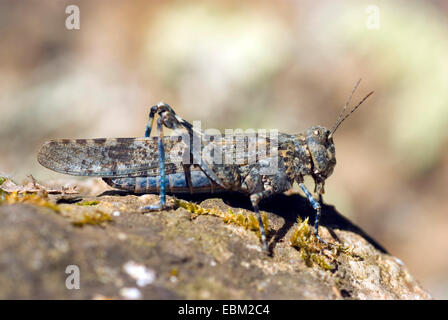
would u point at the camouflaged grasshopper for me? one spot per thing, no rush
(150, 164)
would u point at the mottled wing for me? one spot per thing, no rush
(116, 157)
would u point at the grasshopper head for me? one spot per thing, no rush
(321, 146)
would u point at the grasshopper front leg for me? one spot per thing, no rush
(316, 205)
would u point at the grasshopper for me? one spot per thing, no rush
(149, 164)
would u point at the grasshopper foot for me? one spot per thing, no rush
(157, 207)
(265, 247)
(321, 239)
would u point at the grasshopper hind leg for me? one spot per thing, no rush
(167, 118)
(152, 113)
(161, 205)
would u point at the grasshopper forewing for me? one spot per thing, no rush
(113, 157)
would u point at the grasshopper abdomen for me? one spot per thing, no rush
(175, 183)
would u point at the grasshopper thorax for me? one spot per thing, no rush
(320, 145)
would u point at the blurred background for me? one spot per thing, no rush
(259, 64)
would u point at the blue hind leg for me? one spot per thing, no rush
(152, 113)
(186, 167)
(161, 163)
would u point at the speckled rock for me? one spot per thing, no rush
(170, 255)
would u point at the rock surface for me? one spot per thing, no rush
(122, 253)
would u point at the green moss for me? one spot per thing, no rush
(249, 222)
(2, 196)
(81, 217)
(312, 250)
(88, 203)
(174, 272)
(14, 197)
(96, 217)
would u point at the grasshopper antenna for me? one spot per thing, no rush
(341, 117)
